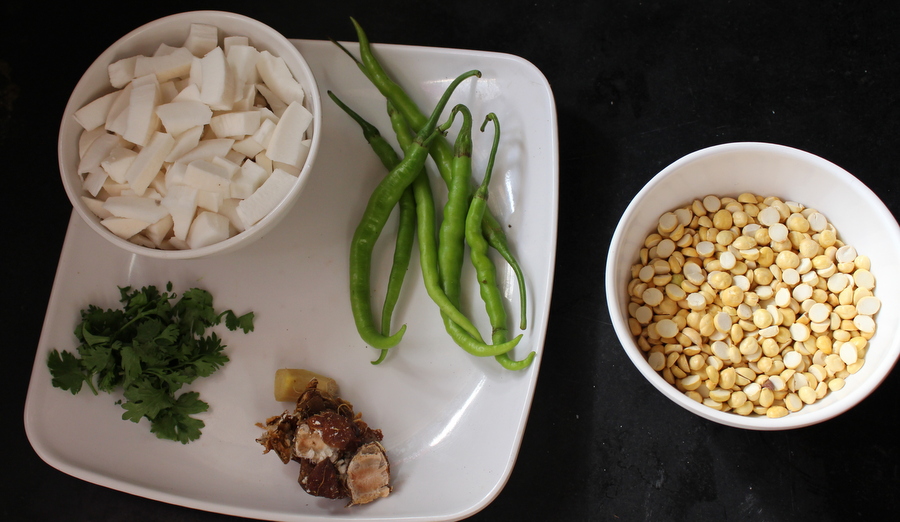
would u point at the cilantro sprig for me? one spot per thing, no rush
(150, 348)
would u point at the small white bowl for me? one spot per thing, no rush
(764, 169)
(173, 30)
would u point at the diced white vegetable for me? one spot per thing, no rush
(206, 175)
(184, 143)
(230, 41)
(117, 119)
(167, 92)
(235, 124)
(166, 67)
(121, 72)
(208, 228)
(94, 114)
(111, 188)
(149, 161)
(231, 167)
(243, 60)
(208, 149)
(264, 133)
(272, 99)
(88, 137)
(181, 201)
(98, 151)
(117, 162)
(248, 147)
(202, 38)
(277, 76)
(228, 208)
(157, 232)
(217, 84)
(124, 227)
(211, 201)
(250, 178)
(190, 92)
(174, 174)
(266, 197)
(285, 144)
(135, 207)
(179, 116)
(142, 119)
(94, 181)
(96, 207)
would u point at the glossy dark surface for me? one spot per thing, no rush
(637, 85)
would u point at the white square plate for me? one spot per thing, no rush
(452, 423)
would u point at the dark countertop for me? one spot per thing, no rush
(637, 85)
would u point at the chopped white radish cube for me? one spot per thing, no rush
(175, 64)
(211, 201)
(250, 178)
(208, 149)
(124, 227)
(94, 181)
(275, 103)
(228, 208)
(118, 161)
(248, 147)
(230, 41)
(266, 197)
(94, 114)
(149, 161)
(181, 201)
(208, 228)
(96, 207)
(157, 232)
(88, 137)
(235, 124)
(285, 144)
(136, 207)
(277, 76)
(174, 174)
(206, 175)
(98, 150)
(264, 133)
(179, 116)
(184, 143)
(142, 119)
(243, 60)
(121, 72)
(217, 84)
(202, 38)
(190, 92)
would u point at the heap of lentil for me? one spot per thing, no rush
(752, 304)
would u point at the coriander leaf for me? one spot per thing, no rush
(67, 372)
(176, 423)
(145, 400)
(244, 322)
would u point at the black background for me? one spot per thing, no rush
(637, 85)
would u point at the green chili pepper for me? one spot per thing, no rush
(440, 149)
(484, 267)
(425, 211)
(381, 203)
(406, 229)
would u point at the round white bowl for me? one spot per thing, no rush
(173, 30)
(764, 169)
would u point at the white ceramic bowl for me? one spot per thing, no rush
(769, 170)
(144, 40)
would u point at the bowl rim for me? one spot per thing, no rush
(615, 299)
(256, 231)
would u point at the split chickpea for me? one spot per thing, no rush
(752, 304)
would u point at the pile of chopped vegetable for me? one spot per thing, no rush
(150, 348)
